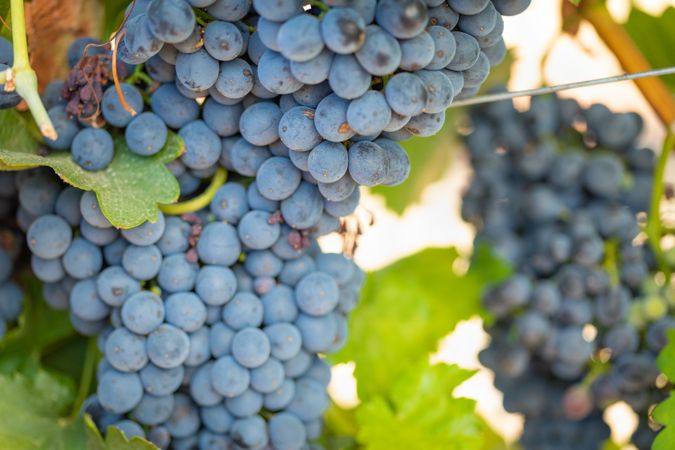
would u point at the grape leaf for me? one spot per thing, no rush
(31, 410)
(655, 36)
(129, 189)
(666, 359)
(40, 328)
(420, 412)
(405, 309)
(664, 413)
(114, 439)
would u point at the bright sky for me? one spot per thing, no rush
(435, 220)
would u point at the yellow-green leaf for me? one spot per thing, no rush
(129, 189)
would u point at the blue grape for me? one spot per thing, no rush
(300, 39)
(478, 73)
(230, 10)
(66, 127)
(230, 203)
(343, 30)
(287, 431)
(511, 7)
(313, 71)
(75, 51)
(139, 44)
(426, 124)
(82, 259)
(113, 110)
(256, 47)
(142, 262)
(285, 340)
(380, 54)
(442, 15)
(199, 348)
(202, 146)
(146, 134)
(275, 74)
(398, 168)
(480, 24)
(198, 70)
(223, 40)
(319, 371)
(310, 400)
(114, 252)
(177, 274)
(268, 377)
(201, 389)
(47, 270)
(216, 418)
(330, 119)
(119, 392)
(328, 162)
(404, 19)
(220, 339)
(367, 163)
(242, 311)
(172, 107)
(277, 178)
(68, 206)
(281, 397)
(168, 346)
(466, 53)
(160, 70)
(343, 207)
(297, 130)
(235, 80)
(215, 285)
(222, 119)
(143, 312)
(184, 420)
(317, 293)
(185, 310)
(98, 236)
(368, 114)
(38, 194)
(263, 263)
(93, 149)
(257, 201)
(256, 231)
(495, 53)
(298, 365)
(259, 124)
(303, 209)
(247, 158)
(317, 333)
(277, 11)
(250, 347)
(114, 285)
(125, 351)
(311, 95)
(147, 233)
(269, 34)
(406, 94)
(229, 378)
(338, 190)
(130, 429)
(219, 244)
(348, 78)
(153, 410)
(175, 236)
(247, 404)
(160, 382)
(49, 237)
(279, 305)
(170, 20)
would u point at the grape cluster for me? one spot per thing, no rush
(211, 323)
(558, 192)
(11, 243)
(308, 99)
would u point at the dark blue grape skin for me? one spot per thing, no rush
(202, 146)
(113, 110)
(328, 162)
(170, 20)
(300, 39)
(93, 149)
(347, 77)
(174, 109)
(277, 178)
(343, 30)
(66, 127)
(403, 19)
(146, 134)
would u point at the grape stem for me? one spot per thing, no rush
(199, 202)
(88, 369)
(23, 76)
(654, 227)
(630, 57)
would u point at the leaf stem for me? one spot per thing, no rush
(631, 59)
(88, 369)
(25, 78)
(201, 200)
(654, 227)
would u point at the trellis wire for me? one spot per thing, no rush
(562, 87)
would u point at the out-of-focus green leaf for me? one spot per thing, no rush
(666, 359)
(575, 2)
(655, 36)
(114, 439)
(420, 412)
(113, 14)
(40, 329)
(129, 189)
(405, 309)
(32, 411)
(664, 414)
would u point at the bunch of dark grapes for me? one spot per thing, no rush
(11, 243)
(560, 191)
(211, 324)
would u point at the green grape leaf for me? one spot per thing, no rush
(32, 413)
(129, 189)
(420, 412)
(404, 310)
(664, 413)
(655, 36)
(114, 439)
(113, 14)
(666, 359)
(39, 332)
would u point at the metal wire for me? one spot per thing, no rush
(562, 87)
